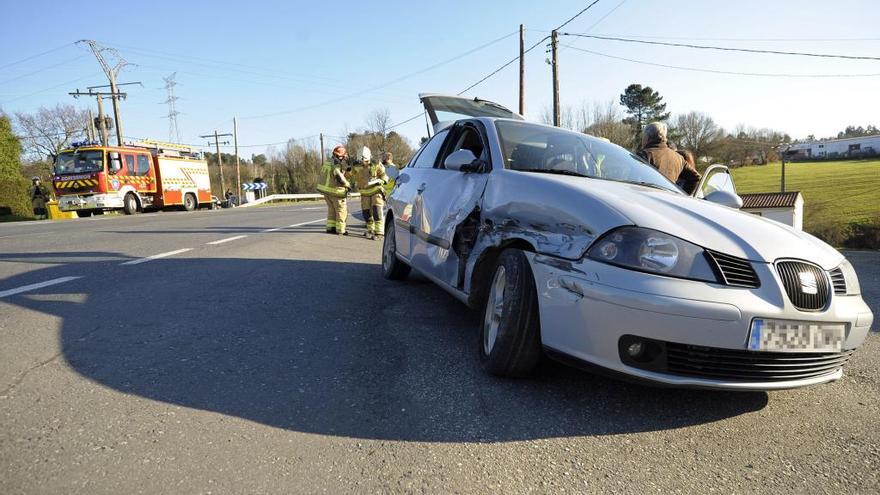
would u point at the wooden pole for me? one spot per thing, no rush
(522, 71)
(554, 42)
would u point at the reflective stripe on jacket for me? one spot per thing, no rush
(331, 181)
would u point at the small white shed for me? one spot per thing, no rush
(787, 207)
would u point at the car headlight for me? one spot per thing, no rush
(852, 280)
(654, 252)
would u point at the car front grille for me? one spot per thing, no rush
(838, 282)
(735, 271)
(743, 365)
(806, 285)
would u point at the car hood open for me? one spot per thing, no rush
(707, 224)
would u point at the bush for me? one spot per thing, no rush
(864, 236)
(834, 234)
(14, 195)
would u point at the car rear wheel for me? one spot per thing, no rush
(129, 204)
(392, 268)
(510, 337)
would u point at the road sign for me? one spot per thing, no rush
(254, 186)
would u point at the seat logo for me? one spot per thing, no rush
(809, 284)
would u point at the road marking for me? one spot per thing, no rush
(221, 241)
(155, 257)
(304, 223)
(39, 285)
(311, 208)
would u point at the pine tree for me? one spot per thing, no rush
(644, 105)
(13, 187)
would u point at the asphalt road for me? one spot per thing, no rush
(262, 355)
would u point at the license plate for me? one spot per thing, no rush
(796, 336)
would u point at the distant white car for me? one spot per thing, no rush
(577, 249)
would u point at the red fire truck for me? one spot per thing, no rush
(90, 179)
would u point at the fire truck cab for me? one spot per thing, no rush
(91, 179)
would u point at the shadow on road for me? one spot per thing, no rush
(332, 348)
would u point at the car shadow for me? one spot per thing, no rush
(332, 348)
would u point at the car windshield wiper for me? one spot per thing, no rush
(551, 171)
(646, 184)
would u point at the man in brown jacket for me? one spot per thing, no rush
(673, 165)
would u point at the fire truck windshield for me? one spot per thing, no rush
(76, 162)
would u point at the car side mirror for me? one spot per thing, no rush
(725, 198)
(461, 161)
(115, 162)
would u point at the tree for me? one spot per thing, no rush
(378, 122)
(13, 187)
(644, 105)
(604, 120)
(697, 132)
(853, 131)
(50, 130)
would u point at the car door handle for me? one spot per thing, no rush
(421, 188)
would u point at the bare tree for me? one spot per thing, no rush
(50, 130)
(605, 120)
(697, 132)
(378, 123)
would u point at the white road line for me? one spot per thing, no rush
(221, 241)
(304, 223)
(39, 285)
(155, 257)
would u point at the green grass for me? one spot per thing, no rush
(835, 193)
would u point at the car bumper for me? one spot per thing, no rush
(89, 202)
(586, 308)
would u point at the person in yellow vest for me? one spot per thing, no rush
(335, 187)
(370, 179)
(391, 170)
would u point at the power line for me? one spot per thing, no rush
(716, 71)
(387, 83)
(22, 76)
(66, 83)
(577, 15)
(10, 64)
(605, 16)
(680, 38)
(499, 69)
(721, 48)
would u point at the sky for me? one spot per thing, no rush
(295, 69)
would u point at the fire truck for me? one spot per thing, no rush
(91, 179)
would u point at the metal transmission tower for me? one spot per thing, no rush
(173, 129)
(111, 72)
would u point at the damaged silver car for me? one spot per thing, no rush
(576, 249)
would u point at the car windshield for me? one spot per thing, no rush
(537, 148)
(77, 162)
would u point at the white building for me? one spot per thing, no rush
(836, 148)
(787, 207)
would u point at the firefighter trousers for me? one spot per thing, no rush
(337, 213)
(372, 208)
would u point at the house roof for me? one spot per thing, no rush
(770, 200)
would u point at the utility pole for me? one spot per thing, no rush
(173, 130)
(237, 159)
(111, 73)
(102, 123)
(522, 71)
(217, 144)
(782, 185)
(554, 42)
(90, 128)
(322, 148)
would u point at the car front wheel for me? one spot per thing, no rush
(510, 337)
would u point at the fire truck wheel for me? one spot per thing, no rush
(83, 214)
(189, 202)
(130, 204)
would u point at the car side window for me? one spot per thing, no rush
(428, 156)
(143, 165)
(466, 138)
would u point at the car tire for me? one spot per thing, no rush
(392, 267)
(83, 214)
(510, 333)
(129, 204)
(189, 202)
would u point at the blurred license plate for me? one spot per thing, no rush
(796, 336)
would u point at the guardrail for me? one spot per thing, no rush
(288, 197)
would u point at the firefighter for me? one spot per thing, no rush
(335, 187)
(371, 179)
(391, 170)
(39, 197)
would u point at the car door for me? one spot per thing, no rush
(444, 200)
(407, 190)
(715, 178)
